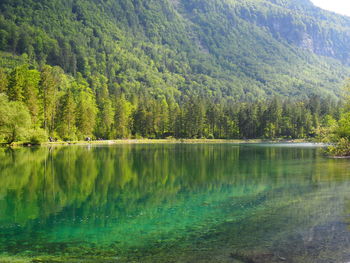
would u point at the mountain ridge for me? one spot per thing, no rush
(222, 48)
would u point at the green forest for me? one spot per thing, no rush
(223, 69)
(38, 104)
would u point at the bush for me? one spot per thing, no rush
(210, 137)
(38, 136)
(15, 120)
(70, 138)
(341, 148)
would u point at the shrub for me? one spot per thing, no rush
(341, 148)
(210, 137)
(38, 136)
(15, 120)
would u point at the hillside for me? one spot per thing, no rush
(221, 48)
(184, 68)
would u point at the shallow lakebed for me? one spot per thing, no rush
(174, 203)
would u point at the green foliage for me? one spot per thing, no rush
(341, 148)
(70, 108)
(86, 111)
(210, 136)
(37, 136)
(325, 132)
(338, 131)
(343, 129)
(15, 120)
(105, 119)
(221, 49)
(3, 80)
(17, 82)
(51, 79)
(183, 69)
(67, 117)
(123, 118)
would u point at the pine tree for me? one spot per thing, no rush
(106, 112)
(51, 80)
(123, 113)
(143, 121)
(160, 117)
(105, 119)
(17, 82)
(173, 115)
(67, 117)
(86, 113)
(31, 94)
(194, 118)
(3, 81)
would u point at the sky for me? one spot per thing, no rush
(338, 6)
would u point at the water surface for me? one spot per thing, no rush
(174, 203)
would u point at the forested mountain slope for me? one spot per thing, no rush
(158, 68)
(221, 48)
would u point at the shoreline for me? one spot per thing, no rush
(161, 141)
(171, 141)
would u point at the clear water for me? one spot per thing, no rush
(174, 203)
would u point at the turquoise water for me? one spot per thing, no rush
(174, 203)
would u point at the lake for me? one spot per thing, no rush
(174, 203)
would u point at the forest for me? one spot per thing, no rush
(36, 105)
(219, 49)
(170, 69)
